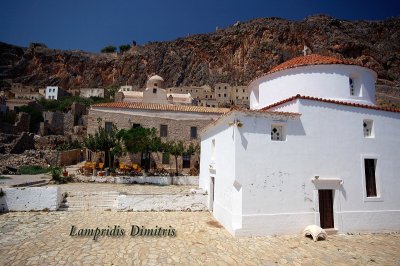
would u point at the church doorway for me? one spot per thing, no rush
(326, 208)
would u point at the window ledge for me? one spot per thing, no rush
(373, 199)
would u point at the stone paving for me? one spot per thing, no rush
(129, 189)
(41, 238)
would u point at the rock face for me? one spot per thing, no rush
(234, 55)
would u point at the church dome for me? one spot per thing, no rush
(155, 81)
(156, 77)
(308, 60)
(316, 76)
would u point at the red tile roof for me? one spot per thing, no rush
(307, 60)
(312, 59)
(161, 107)
(298, 96)
(247, 111)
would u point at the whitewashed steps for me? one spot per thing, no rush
(81, 201)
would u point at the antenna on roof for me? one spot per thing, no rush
(306, 50)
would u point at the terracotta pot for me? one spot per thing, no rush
(101, 173)
(65, 173)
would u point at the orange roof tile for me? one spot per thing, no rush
(161, 107)
(247, 111)
(312, 59)
(298, 96)
(307, 60)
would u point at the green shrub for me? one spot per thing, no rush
(4, 177)
(109, 49)
(33, 170)
(56, 174)
(124, 48)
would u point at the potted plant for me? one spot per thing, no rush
(65, 172)
(112, 171)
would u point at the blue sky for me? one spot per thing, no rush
(92, 24)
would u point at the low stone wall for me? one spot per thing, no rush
(162, 202)
(70, 157)
(158, 180)
(30, 199)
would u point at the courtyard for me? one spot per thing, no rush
(43, 238)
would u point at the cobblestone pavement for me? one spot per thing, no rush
(40, 238)
(129, 189)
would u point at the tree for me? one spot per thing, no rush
(103, 140)
(123, 48)
(139, 139)
(110, 91)
(109, 49)
(176, 149)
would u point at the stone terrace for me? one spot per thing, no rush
(40, 238)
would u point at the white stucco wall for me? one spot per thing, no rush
(51, 92)
(31, 198)
(322, 81)
(225, 206)
(160, 95)
(277, 195)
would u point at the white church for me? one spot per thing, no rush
(314, 148)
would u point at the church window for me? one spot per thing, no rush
(277, 133)
(370, 177)
(225, 95)
(163, 130)
(351, 85)
(206, 96)
(108, 126)
(155, 84)
(186, 161)
(193, 132)
(154, 90)
(368, 128)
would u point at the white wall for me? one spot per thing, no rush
(92, 92)
(322, 81)
(31, 198)
(223, 170)
(159, 97)
(277, 194)
(51, 92)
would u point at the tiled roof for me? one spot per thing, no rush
(312, 59)
(247, 111)
(162, 107)
(307, 60)
(298, 96)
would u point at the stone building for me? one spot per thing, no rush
(227, 95)
(91, 92)
(153, 93)
(173, 122)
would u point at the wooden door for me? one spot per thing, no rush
(326, 208)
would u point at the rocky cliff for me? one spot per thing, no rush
(235, 55)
